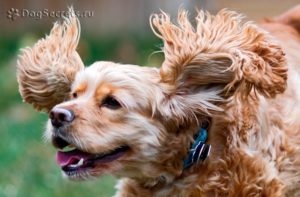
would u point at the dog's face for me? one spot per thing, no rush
(136, 121)
(109, 120)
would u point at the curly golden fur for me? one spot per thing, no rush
(240, 77)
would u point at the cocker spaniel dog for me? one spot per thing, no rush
(220, 117)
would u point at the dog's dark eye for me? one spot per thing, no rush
(111, 103)
(74, 95)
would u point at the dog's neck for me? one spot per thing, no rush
(178, 163)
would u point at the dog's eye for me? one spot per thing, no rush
(111, 103)
(74, 95)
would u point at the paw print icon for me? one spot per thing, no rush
(12, 13)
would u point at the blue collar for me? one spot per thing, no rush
(199, 150)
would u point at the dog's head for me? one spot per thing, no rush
(137, 121)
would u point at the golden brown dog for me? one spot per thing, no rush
(237, 80)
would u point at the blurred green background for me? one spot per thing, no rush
(117, 31)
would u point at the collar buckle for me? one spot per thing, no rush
(199, 150)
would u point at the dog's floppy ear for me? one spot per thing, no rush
(46, 70)
(221, 52)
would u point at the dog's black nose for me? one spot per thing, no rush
(61, 116)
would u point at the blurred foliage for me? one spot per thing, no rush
(27, 164)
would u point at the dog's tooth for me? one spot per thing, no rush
(80, 163)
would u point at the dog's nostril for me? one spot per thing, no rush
(61, 116)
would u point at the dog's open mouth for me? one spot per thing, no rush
(72, 160)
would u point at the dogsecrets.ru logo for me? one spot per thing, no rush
(15, 13)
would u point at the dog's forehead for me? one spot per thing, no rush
(115, 75)
(97, 72)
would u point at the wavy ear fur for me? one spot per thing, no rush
(220, 51)
(46, 70)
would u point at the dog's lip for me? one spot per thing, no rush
(78, 160)
(71, 157)
(59, 143)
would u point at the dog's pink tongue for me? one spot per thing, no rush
(71, 157)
